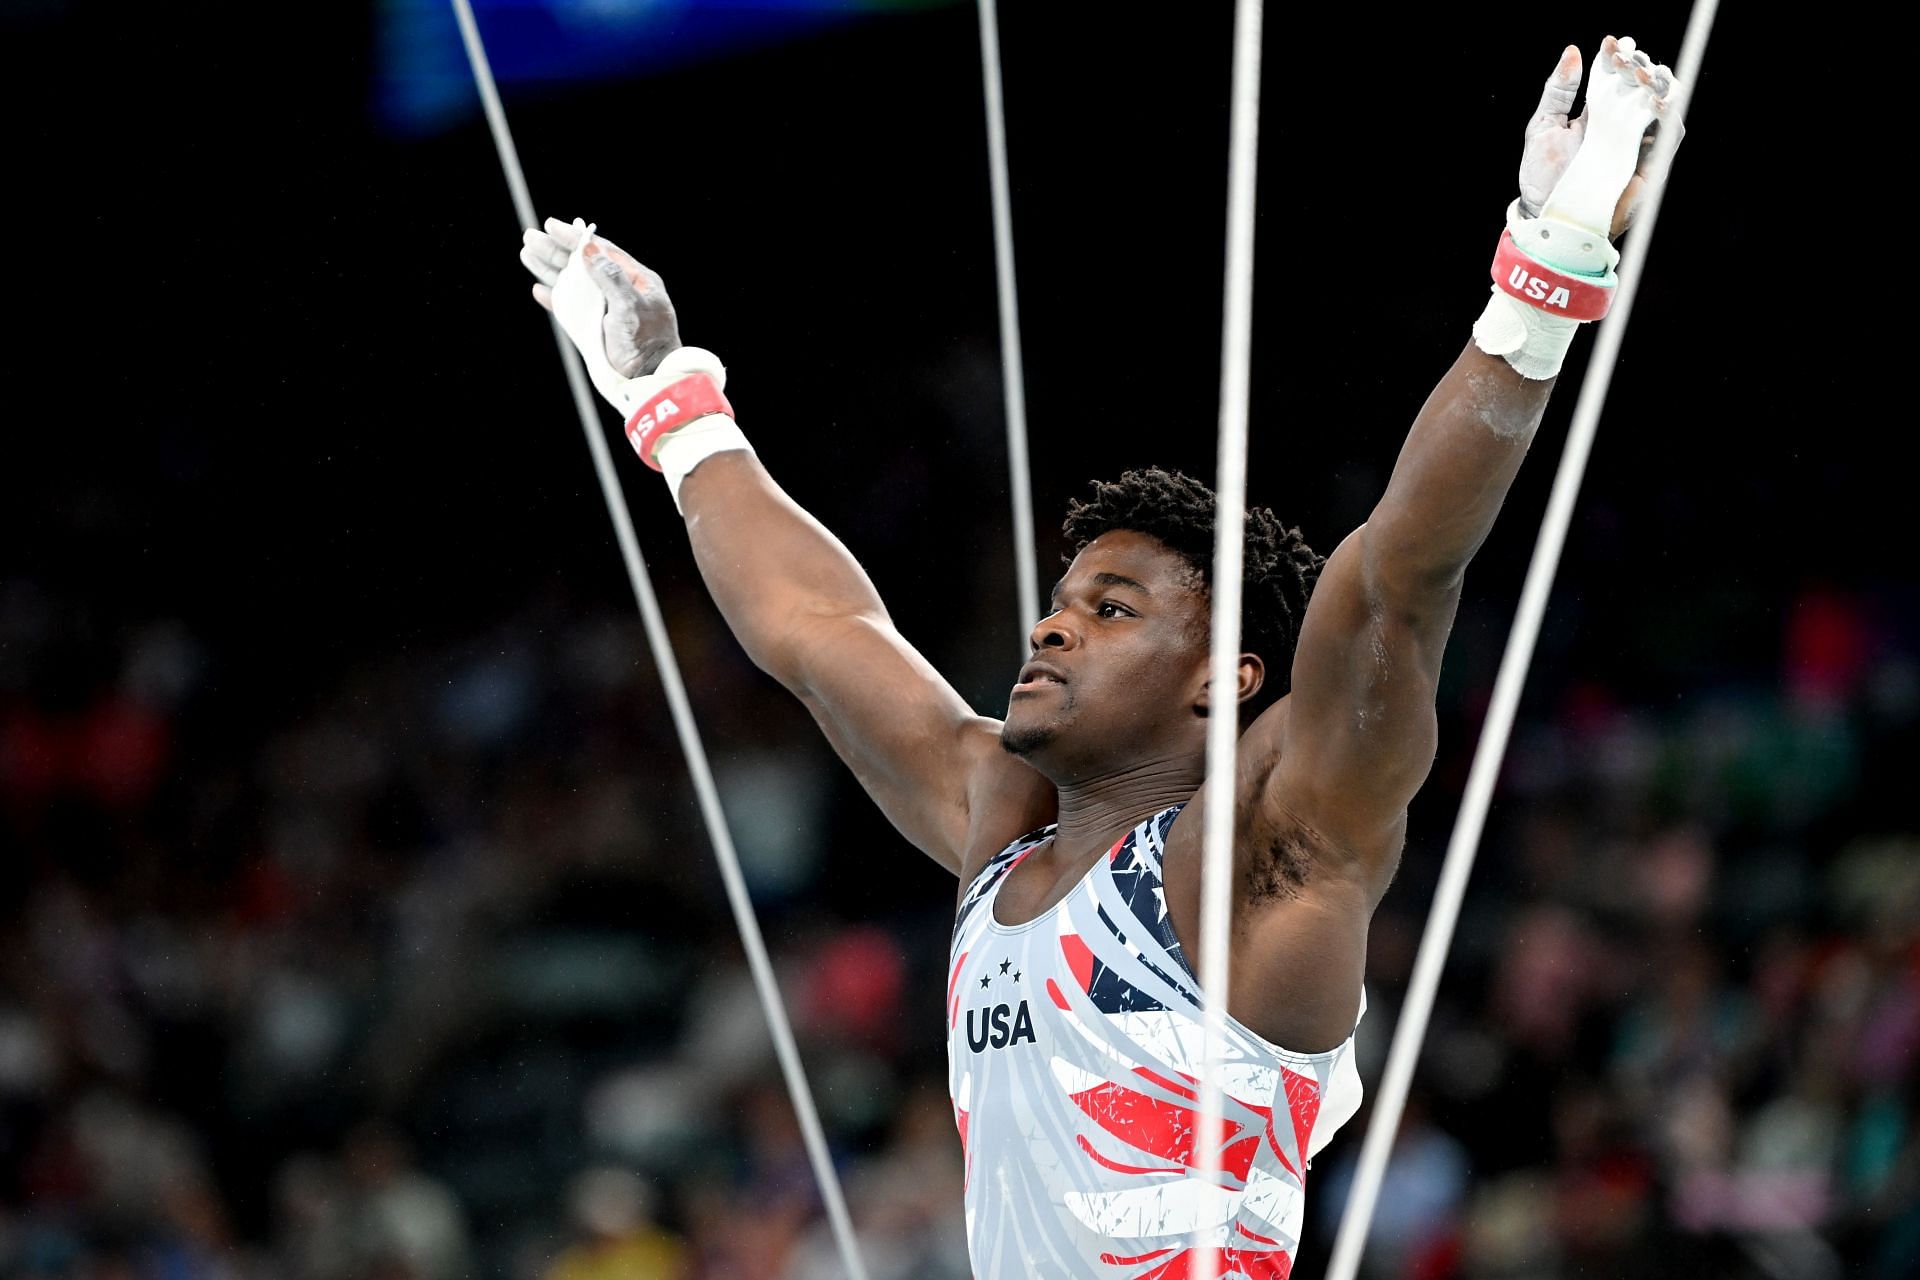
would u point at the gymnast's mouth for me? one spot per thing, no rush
(1037, 675)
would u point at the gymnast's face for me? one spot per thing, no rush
(1119, 668)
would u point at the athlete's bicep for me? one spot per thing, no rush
(1360, 730)
(924, 756)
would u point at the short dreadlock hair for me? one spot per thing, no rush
(1278, 572)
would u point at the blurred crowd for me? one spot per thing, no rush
(1682, 1030)
(431, 977)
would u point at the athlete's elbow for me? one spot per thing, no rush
(811, 651)
(1413, 581)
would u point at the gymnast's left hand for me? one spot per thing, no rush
(639, 328)
(1554, 135)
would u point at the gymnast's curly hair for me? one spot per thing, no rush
(1280, 568)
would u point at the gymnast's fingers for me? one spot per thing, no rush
(543, 271)
(546, 246)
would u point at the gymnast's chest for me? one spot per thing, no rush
(1000, 989)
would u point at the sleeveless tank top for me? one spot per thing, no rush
(1073, 1044)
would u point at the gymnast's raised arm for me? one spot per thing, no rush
(796, 599)
(1368, 660)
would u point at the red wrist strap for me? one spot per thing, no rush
(671, 408)
(1554, 292)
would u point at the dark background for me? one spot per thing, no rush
(288, 452)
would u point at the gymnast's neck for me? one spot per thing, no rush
(1100, 806)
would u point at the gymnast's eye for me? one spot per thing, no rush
(1114, 609)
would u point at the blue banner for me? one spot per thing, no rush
(423, 82)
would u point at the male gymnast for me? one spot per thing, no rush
(1074, 824)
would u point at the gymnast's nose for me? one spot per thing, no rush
(1055, 631)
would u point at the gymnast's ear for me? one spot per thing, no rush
(1252, 675)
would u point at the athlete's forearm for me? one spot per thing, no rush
(1550, 273)
(798, 602)
(777, 574)
(1452, 476)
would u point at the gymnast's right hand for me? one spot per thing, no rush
(626, 309)
(617, 313)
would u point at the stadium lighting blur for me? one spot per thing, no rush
(422, 83)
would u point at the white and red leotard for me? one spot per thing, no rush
(1073, 1044)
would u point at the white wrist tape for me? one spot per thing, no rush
(1532, 341)
(683, 450)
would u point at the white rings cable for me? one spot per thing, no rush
(689, 734)
(1019, 478)
(1437, 939)
(1229, 534)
